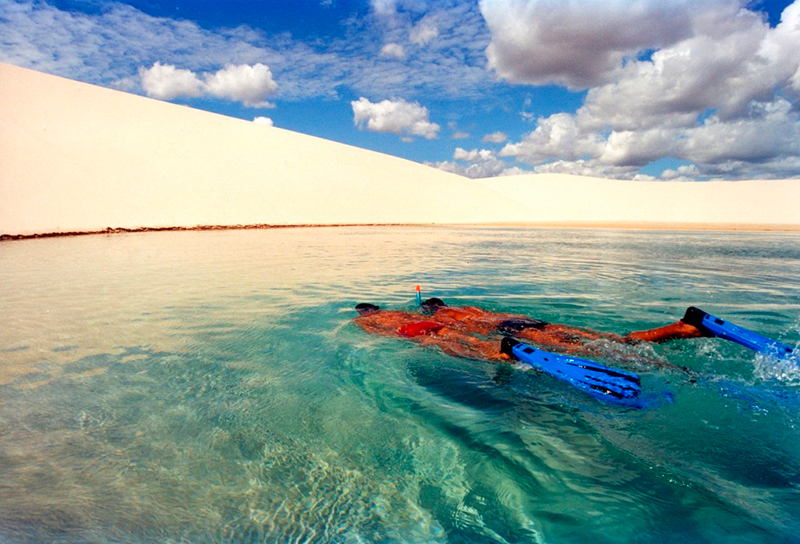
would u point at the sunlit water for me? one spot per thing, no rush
(210, 387)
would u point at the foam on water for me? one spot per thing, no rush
(209, 387)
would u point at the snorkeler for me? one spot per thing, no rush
(454, 330)
(464, 337)
(458, 331)
(603, 382)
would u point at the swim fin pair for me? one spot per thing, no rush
(600, 381)
(720, 328)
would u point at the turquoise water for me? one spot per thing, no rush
(209, 387)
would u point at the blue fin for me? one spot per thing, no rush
(728, 331)
(600, 381)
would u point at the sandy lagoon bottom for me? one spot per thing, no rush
(209, 387)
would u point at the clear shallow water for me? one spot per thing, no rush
(209, 387)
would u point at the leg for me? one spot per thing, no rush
(674, 331)
(564, 337)
(459, 344)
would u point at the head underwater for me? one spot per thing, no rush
(366, 308)
(432, 304)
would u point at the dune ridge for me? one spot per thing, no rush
(78, 158)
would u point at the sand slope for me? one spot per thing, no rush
(81, 157)
(556, 198)
(76, 157)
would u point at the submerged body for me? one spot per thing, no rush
(467, 331)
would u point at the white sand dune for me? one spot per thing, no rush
(560, 198)
(76, 157)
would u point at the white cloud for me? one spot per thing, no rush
(718, 70)
(443, 44)
(247, 84)
(782, 47)
(771, 132)
(588, 167)
(165, 82)
(766, 143)
(720, 98)
(474, 155)
(496, 137)
(578, 44)
(557, 136)
(456, 133)
(424, 32)
(479, 170)
(108, 46)
(687, 172)
(266, 121)
(393, 51)
(250, 85)
(629, 148)
(394, 116)
(384, 8)
(483, 163)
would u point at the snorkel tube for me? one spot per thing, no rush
(725, 329)
(419, 296)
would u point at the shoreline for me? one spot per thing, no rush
(134, 230)
(580, 225)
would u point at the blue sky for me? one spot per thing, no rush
(637, 89)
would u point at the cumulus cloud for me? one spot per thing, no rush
(763, 144)
(474, 155)
(578, 44)
(771, 131)
(782, 47)
(250, 85)
(496, 137)
(479, 170)
(591, 168)
(687, 172)
(394, 116)
(266, 121)
(247, 84)
(482, 163)
(720, 98)
(725, 71)
(166, 82)
(557, 136)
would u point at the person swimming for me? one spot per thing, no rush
(601, 381)
(469, 331)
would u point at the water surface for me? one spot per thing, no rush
(209, 387)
